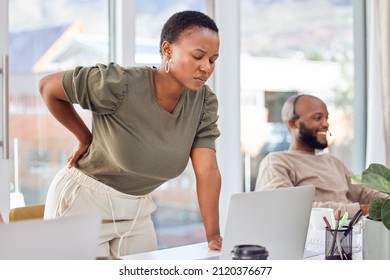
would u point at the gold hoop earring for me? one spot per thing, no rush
(166, 67)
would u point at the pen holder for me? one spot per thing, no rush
(338, 243)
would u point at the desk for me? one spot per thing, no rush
(199, 251)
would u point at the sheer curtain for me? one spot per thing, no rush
(378, 107)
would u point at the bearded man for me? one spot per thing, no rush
(306, 163)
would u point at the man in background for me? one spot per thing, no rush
(305, 162)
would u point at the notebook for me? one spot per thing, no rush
(68, 238)
(276, 219)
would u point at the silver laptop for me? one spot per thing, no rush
(276, 219)
(67, 238)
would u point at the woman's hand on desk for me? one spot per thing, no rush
(215, 243)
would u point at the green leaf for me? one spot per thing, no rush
(375, 209)
(376, 182)
(377, 177)
(386, 214)
(379, 169)
(356, 179)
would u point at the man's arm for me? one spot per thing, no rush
(272, 175)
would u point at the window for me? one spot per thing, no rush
(45, 37)
(290, 47)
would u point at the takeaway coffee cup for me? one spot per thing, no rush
(249, 252)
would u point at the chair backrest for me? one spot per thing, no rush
(26, 213)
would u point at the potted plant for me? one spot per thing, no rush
(376, 226)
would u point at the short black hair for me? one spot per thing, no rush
(181, 21)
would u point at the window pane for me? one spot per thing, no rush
(290, 47)
(151, 16)
(46, 36)
(177, 218)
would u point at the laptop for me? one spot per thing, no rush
(67, 238)
(276, 219)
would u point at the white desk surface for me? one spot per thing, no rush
(200, 251)
(196, 251)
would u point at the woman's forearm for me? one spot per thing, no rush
(208, 191)
(208, 185)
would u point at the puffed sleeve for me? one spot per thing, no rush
(99, 88)
(208, 129)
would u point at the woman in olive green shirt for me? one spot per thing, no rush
(147, 123)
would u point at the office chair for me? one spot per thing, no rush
(26, 212)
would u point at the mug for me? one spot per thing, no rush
(316, 217)
(315, 240)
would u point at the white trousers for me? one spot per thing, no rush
(127, 227)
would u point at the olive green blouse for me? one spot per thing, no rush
(137, 145)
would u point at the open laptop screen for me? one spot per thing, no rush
(276, 219)
(67, 238)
